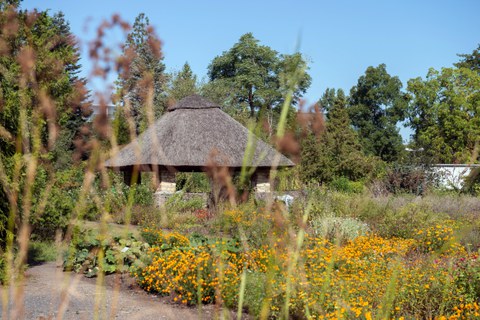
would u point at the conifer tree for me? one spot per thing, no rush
(337, 152)
(146, 72)
(183, 83)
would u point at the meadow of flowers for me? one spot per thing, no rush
(294, 273)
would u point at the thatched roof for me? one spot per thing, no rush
(189, 134)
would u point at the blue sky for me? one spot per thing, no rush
(339, 38)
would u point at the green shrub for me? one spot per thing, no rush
(143, 194)
(404, 221)
(192, 182)
(470, 237)
(117, 198)
(288, 179)
(255, 293)
(54, 212)
(179, 204)
(388, 216)
(338, 229)
(2, 268)
(91, 253)
(402, 178)
(343, 184)
(41, 251)
(145, 216)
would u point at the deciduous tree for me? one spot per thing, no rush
(258, 78)
(444, 113)
(376, 105)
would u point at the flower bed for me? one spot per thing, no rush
(431, 276)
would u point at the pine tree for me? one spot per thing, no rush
(146, 73)
(183, 83)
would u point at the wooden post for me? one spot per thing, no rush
(130, 173)
(127, 175)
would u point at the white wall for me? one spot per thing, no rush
(452, 176)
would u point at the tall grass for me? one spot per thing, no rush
(342, 221)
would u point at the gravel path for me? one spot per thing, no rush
(50, 293)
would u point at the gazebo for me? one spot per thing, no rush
(194, 133)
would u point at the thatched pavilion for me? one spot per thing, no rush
(193, 133)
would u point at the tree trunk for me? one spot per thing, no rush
(250, 102)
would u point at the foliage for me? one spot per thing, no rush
(255, 293)
(257, 78)
(192, 182)
(392, 216)
(376, 106)
(3, 267)
(54, 207)
(408, 178)
(4, 214)
(118, 197)
(179, 204)
(182, 83)
(41, 251)
(348, 281)
(46, 39)
(43, 105)
(143, 84)
(288, 179)
(337, 152)
(120, 126)
(337, 229)
(91, 253)
(470, 61)
(257, 226)
(443, 112)
(342, 184)
(404, 221)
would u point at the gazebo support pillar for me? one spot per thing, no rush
(166, 187)
(129, 174)
(262, 182)
(167, 182)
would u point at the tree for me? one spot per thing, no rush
(444, 112)
(47, 42)
(121, 130)
(74, 117)
(337, 152)
(470, 61)
(5, 4)
(377, 104)
(183, 83)
(258, 78)
(144, 77)
(43, 102)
